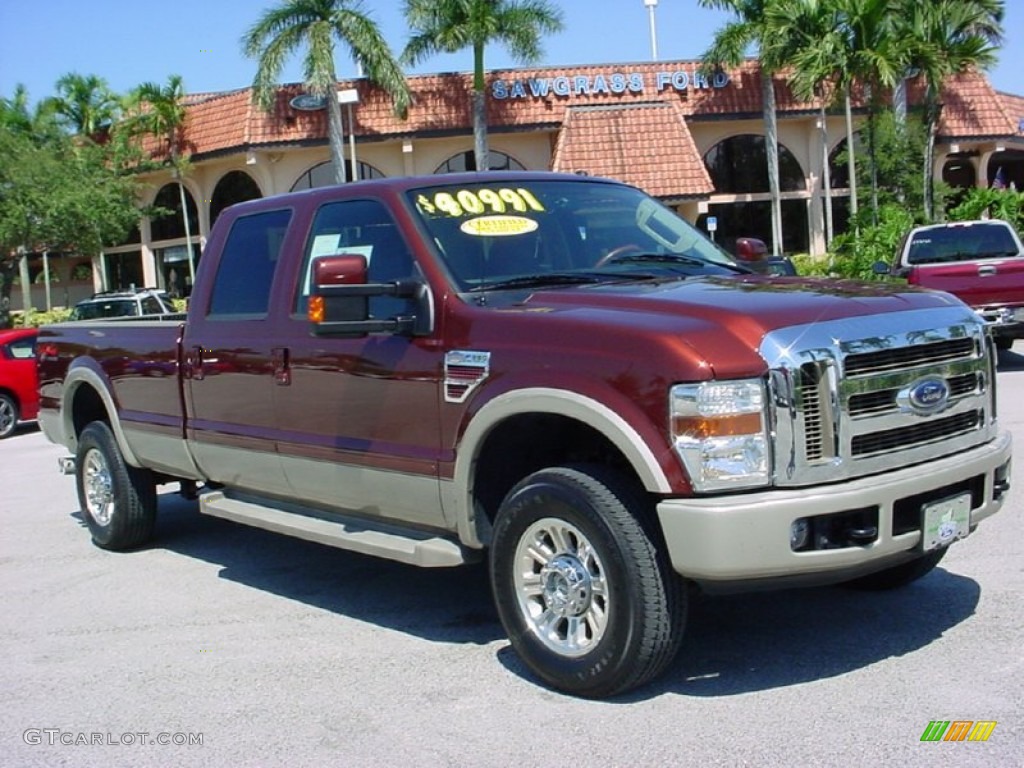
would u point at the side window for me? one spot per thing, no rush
(361, 227)
(22, 349)
(151, 306)
(246, 268)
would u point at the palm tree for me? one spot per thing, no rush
(948, 36)
(160, 110)
(84, 103)
(447, 26)
(729, 49)
(318, 24)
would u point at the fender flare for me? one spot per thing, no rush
(586, 410)
(83, 373)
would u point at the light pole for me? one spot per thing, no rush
(348, 97)
(651, 5)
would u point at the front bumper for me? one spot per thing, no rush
(742, 538)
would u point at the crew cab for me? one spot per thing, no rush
(552, 372)
(982, 262)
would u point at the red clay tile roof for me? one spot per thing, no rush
(972, 110)
(647, 145)
(1014, 108)
(229, 122)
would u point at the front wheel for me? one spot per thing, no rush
(588, 599)
(118, 501)
(899, 575)
(8, 415)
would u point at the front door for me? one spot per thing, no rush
(358, 417)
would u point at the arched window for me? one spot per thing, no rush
(466, 161)
(739, 165)
(839, 163)
(234, 187)
(170, 225)
(322, 175)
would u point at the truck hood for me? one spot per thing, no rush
(723, 320)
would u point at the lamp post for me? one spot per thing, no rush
(348, 97)
(651, 5)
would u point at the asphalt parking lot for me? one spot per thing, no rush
(221, 645)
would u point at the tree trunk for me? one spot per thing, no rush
(928, 181)
(26, 283)
(826, 176)
(851, 164)
(188, 231)
(6, 281)
(481, 153)
(772, 151)
(336, 136)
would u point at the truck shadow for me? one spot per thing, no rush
(746, 643)
(444, 604)
(1011, 359)
(734, 644)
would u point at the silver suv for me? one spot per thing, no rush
(146, 301)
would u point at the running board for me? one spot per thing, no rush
(409, 547)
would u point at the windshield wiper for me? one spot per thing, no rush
(551, 278)
(672, 258)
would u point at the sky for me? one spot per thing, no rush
(128, 42)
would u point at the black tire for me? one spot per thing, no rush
(899, 575)
(118, 501)
(1004, 343)
(9, 415)
(595, 568)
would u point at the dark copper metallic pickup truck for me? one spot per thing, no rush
(555, 372)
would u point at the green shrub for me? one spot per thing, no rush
(34, 318)
(854, 256)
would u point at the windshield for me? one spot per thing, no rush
(106, 308)
(960, 242)
(506, 235)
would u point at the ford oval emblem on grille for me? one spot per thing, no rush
(924, 396)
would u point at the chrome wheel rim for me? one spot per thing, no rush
(6, 416)
(561, 587)
(98, 486)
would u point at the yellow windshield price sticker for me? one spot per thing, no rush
(498, 226)
(458, 203)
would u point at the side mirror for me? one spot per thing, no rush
(751, 249)
(881, 268)
(340, 301)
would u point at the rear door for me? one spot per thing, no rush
(230, 359)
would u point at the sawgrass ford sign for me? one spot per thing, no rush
(613, 83)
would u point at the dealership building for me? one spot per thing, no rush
(695, 142)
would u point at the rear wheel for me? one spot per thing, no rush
(8, 415)
(900, 575)
(118, 501)
(588, 599)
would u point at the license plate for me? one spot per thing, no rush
(946, 521)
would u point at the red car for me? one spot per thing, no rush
(19, 394)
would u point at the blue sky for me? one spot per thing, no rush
(128, 42)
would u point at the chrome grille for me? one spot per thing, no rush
(906, 357)
(840, 392)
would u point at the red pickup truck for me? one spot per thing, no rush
(981, 262)
(553, 372)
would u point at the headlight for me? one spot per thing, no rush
(719, 431)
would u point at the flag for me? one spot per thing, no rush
(999, 182)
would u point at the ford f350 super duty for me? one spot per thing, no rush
(555, 373)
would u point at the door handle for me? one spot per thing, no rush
(986, 270)
(195, 363)
(282, 366)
